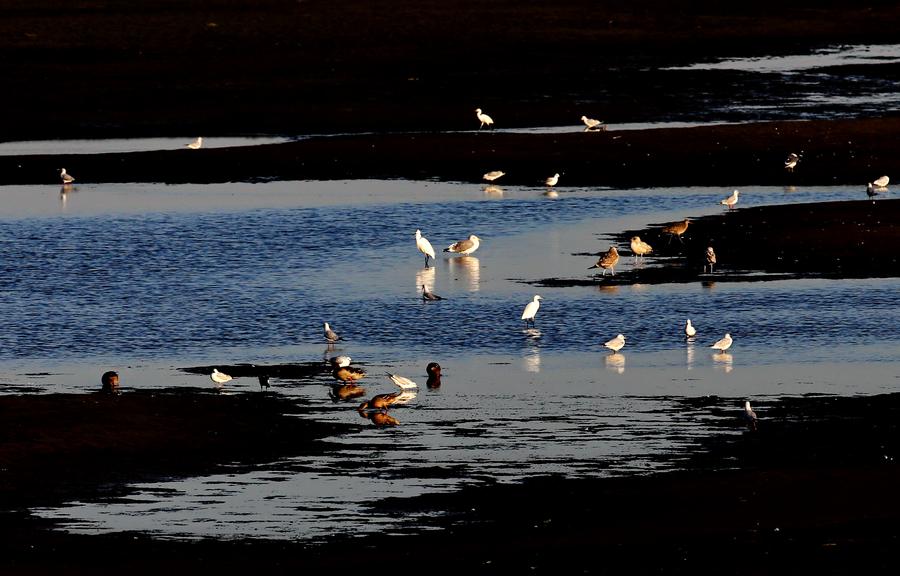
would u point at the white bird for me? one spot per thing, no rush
(731, 200)
(483, 118)
(465, 247)
(66, 177)
(196, 144)
(331, 335)
(723, 344)
(750, 415)
(616, 343)
(551, 181)
(339, 361)
(591, 124)
(881, 182)
(424, 246)
(689, 329)
(791, 162)
(531, 309)
(493, 175)
(639, 247)
(402, 382)
(219, 377)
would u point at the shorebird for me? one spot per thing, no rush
(639, 247)
(677, 229)
(723, 344)
(428, 295)
(434, 375)
(464, 247)
(750, 415)
(551, 181)
(219, 377)
(591, 124)
(791, 162)
(493, 175)
(196, 144)
(483, 118)
(347, 374)
(402, 382)
(531, 310)
(881, 182)
(616, 343)
(380, 401)
(608, 261)
(330, 335)
(731, 200)
(424, 246)
(339, 361)
(65, 177)
(689, 329)
(710, 259)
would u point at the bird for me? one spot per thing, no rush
(531, 310)
(483, 118)
(196, 144)
(339, 361)
(616, 343)
(380, 401)
(870, 191)
(791, 162)
(65, 177)
(723, 344)
(428, 295)
(881, 182)
(493, 175)
(750, 415)
(403, 382)
(731, 200)
(465, 247)
(639, 247)
(551, 181)
(677, 229)
(219, 377)
(263, 381)
(710, 259)
(330, 335)
(608, 261)
(434, 375)
(591, 124)
(424, 246)
(347, 374)
(689, 329)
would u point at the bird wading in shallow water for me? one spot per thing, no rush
(65, 176)
(330, 335)
(731, 200)
(553, 180)
(484, 119)
(219, 377)
(616, 343)
(723, 344)
(677, 229)
(750, 416)
(464, 247)
(531, 310)
(429, 296)
(639, 247)
(608, 261)
(434, 375)
(196, 144)
(592, 125)
(424, 246)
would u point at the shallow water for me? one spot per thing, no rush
(149, 278)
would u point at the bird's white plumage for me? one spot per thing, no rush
(196, 144)
(531, 309)
(731, 200)
(723, 344)
(493, 175)
(219, 377)
(65, 176)
(639, 247)
(689, 329)
(423, 244)
(330, 334)
(590, 123)
(339, 361)
(465, 247)
(791, 162)
(483, 118)
(552, 181)
(881, 182)
(616, 343)
(403, 382)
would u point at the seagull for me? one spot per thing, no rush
(689, 329)
(426, 295)
(616, 343)
(591, 124)
(196, 144)
(219, 377)
(881, 182)
(551, 181)
(639, 247)
(677, 229)
(66, 177)
(434, 375)
(531, 309)
(791, 162)
(710, 259)
(424, 246)
(464, 247)
(403, 383)
(331, 335)
(608, 261)
(483, 118)
(750, 415)
(731, 200)
(493, 175)
(723, 344)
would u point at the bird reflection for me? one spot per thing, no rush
(690, 354)
(789, 189)
(425, 277)
(342, 392)
(380, 418)
(531, 362)
(708, 284)
(551, 194)
(493, 191)
(724, 361)
(615, 363)
(608, 288)
(468, 269)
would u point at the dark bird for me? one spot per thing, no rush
(428, 295)
(750, 416)
(434, 375)
(677, 229)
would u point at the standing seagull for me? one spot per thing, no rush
(424, 246)
(219, 377)
(639, 247)
(464, 247)
(531, 309)
(616, 343)
(731, 200)
(750, 415)
(723, 344)
(483, 118)
(677, 229)
(608, 261)
(196, 144)
(551, 181)
(591, 124)
(791, 162)
(689, 329)
(427, 295)
(493, 175)
(331, 335)
(710, 259)
(65, 177)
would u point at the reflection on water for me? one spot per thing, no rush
(827, 57)
(467, 269)
(724, 361)
(615, 362)
(689, 349)
(425, 277)
(493, 191)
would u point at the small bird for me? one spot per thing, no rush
(791, 162)
(551, 181)
(483, 118)
(330, 335)
(493, 175)
(219, 377)
(616, 343)
(403, 382)
(424, 246)
(531, 310)
(428, 295)
(263, 381)
(710, 259)
(608, 261)
(639, 247)
(723, 344)
(881, 182)
(196, 144)
(434, 375)
(677, 229)
(465, 247)
(689, 329)
(731, 200)
(750, 416)
(591, 124)
(65, 177)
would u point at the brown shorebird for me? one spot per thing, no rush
(731, 200)
(343, 372)
(723, 344)
(608, 261)
(710, 259)
(380, 401)
(493, 175)
(677, 229)
(531, 310)
(791, 162)
(639, 247)
(464, 247)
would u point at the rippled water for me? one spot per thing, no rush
(149, 278)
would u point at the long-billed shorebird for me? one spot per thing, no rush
(723, 344)
(552, 181)
(791, 162)
(608, 261)
(424, 246)
(196, 144)
(731, 200)
(429, 295)
(689, 329)
(483, 118)
(330, 335)
(219, 377)
(677, 229)
(710, 259)
(464, 247)
(616, 343)
(639, 247)
(531, 310)
(591, 124)
(65, 176)
(493, 175)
